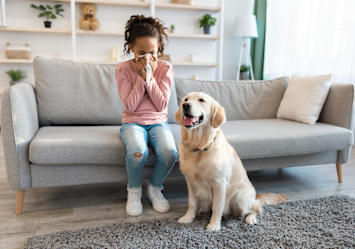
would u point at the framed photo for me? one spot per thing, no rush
(2, 13)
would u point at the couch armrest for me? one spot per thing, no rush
(19, 124)
(339, 110)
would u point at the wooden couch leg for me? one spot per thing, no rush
(20, 198)
(340, 172)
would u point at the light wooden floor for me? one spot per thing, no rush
(54, 209)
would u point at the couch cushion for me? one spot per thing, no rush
(241, 99)
(276, 137)
(71, 93)
(67, 145)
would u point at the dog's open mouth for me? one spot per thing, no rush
(191, 121)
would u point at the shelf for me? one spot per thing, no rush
(198, 36)
(36, 30)
(204, 64)
(116, 3)
(104, 2)
(171, 6)
(99, 32)
(18, 61)
(200, 64)
(145, 5)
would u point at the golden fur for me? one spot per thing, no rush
(215, 176)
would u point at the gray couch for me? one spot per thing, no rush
(66, 130)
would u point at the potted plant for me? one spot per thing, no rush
(207, 21)
(16, 76)
(172, 28)
(48, 12)
(244, 71)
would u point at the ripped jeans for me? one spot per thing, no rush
(136, 138)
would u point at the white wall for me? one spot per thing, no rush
(19, 14)
(232, 44)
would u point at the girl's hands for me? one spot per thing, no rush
(140, 65)
(154, 64)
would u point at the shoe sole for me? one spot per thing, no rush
(154, 207)
(130, 213)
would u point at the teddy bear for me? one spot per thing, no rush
(88, 20)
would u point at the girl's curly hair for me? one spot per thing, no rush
(141, 26)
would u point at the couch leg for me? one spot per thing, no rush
(340, 172)
(20, 198)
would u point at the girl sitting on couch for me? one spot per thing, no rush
(145, 116)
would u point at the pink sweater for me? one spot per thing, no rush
(145, 103)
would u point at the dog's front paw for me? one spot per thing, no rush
(251, 219)
(213, 227)
(186, 219)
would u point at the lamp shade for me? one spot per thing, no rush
(245, 26)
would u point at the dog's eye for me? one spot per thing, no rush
(185, 99)
(201, 100)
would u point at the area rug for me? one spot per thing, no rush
(314, 223)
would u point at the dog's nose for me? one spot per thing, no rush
(186, 106)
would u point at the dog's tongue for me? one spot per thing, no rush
(189, 120)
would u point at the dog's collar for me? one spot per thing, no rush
(204, 149)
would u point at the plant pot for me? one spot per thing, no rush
(207, 29)
(14, 82)
(244, 75)
(47, 24)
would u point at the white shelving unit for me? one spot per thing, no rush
(145, 5)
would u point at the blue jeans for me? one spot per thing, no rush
(136, 138)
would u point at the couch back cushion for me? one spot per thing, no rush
(241, 99)
(71, 93)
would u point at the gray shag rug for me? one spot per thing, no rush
(315, 223)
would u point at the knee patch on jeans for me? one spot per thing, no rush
(137, 157)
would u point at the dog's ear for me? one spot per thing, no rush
(178, 115)
(218, 115)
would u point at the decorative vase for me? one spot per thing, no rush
(14, 82)
(244, 75)
(47, 24)
(207, 29)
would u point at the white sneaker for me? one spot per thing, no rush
(154, 194)
(134, 204)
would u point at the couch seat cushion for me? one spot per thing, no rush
(68, 145)
(261, 138)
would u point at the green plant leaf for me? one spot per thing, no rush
(49, 7)
(207, 20)
(57, 6)
(42, 7)
(16, 75)
(41, 14)
(244, 68)
(53, 16)
(36, 7)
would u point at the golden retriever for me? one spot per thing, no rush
(215, 176)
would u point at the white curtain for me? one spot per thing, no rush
(310, 37)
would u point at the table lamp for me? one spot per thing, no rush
(245, 26)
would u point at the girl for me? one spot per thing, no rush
(144, 118)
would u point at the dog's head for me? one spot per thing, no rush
(200, 110)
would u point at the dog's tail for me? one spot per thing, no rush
(270, 199)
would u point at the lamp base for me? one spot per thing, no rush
(240, 61)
